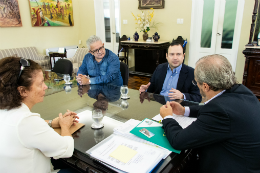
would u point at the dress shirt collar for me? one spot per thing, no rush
(176, 70)
(215, 96)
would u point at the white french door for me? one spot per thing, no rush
(107, 17)
(215, 29)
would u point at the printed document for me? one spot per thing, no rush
(143, 158)
(124, 130)
(182, 120)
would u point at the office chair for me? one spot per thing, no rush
(63, 66)
(181, 40)
(121, 49)
(124, 73)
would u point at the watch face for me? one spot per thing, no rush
(50, 121)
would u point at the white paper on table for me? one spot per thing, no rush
(124, 130)
(182, 120)
(145, 160)
(149, 123)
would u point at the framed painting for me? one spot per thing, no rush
(9, 13)
(147, 4)
(51, 13)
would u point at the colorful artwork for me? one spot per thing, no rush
(51, 12)
(9, 13)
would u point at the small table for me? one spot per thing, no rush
(56, 54)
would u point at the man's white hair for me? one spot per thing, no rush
(92, 39)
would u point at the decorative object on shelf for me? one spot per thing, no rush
(128, 39)
(136, 36)
(51, 13)
(10, 14)
(146, 4)
(156, 37)
(145, 36)
(144, 22)
(149, 39)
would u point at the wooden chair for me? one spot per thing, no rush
(121, 49)
(181, 40)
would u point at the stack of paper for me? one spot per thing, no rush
(182, 120)
(152, 131)
(124, 130)
(126, 154)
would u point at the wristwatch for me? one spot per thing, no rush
(50, 121)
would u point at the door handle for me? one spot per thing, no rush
(113, 33)
(218, 34)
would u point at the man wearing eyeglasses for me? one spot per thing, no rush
(226, 132)
(100, 65)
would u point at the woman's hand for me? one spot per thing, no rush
(55, 122)
(65, 122)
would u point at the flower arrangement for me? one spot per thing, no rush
(144, 20)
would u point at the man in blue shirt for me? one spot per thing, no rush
(100, 65)
(173, 79)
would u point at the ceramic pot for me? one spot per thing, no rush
(156, 37)
(145, 36)
(136, 36)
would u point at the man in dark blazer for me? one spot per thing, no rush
(226, 132)
(173, 79)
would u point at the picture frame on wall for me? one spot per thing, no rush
(10, 13)
(45, 13)
(155, 4)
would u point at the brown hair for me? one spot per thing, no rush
(10, 68)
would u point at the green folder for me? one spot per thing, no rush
(159, 137)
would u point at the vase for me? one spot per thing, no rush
(145, 36)
(156, 37)
(136, 36)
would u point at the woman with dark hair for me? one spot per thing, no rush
(27, 141)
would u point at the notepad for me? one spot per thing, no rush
(123, 153)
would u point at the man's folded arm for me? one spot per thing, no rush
(110, 75)
(194, 94)
(200, 133)
(83, 68)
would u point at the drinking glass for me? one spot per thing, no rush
(66, 78)
(124, 104)
(67, 89)
(97, 116)
(99, 135)
(124, 92)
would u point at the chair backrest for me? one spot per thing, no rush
(63, 66)
(181, 40)
(123, 38)
(79, 55)
(124, 73)
(25, 52)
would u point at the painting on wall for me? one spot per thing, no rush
(51, 12)
(147, 4)
(9, 13)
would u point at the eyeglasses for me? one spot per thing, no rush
(97, 50)
(24, 63)
(194, 82)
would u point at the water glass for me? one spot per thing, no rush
(67, 89)
(124, 104)
(124, 92)
(66, 78)
(97, 116)
(99, 135)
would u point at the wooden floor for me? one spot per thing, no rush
(135, 82)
